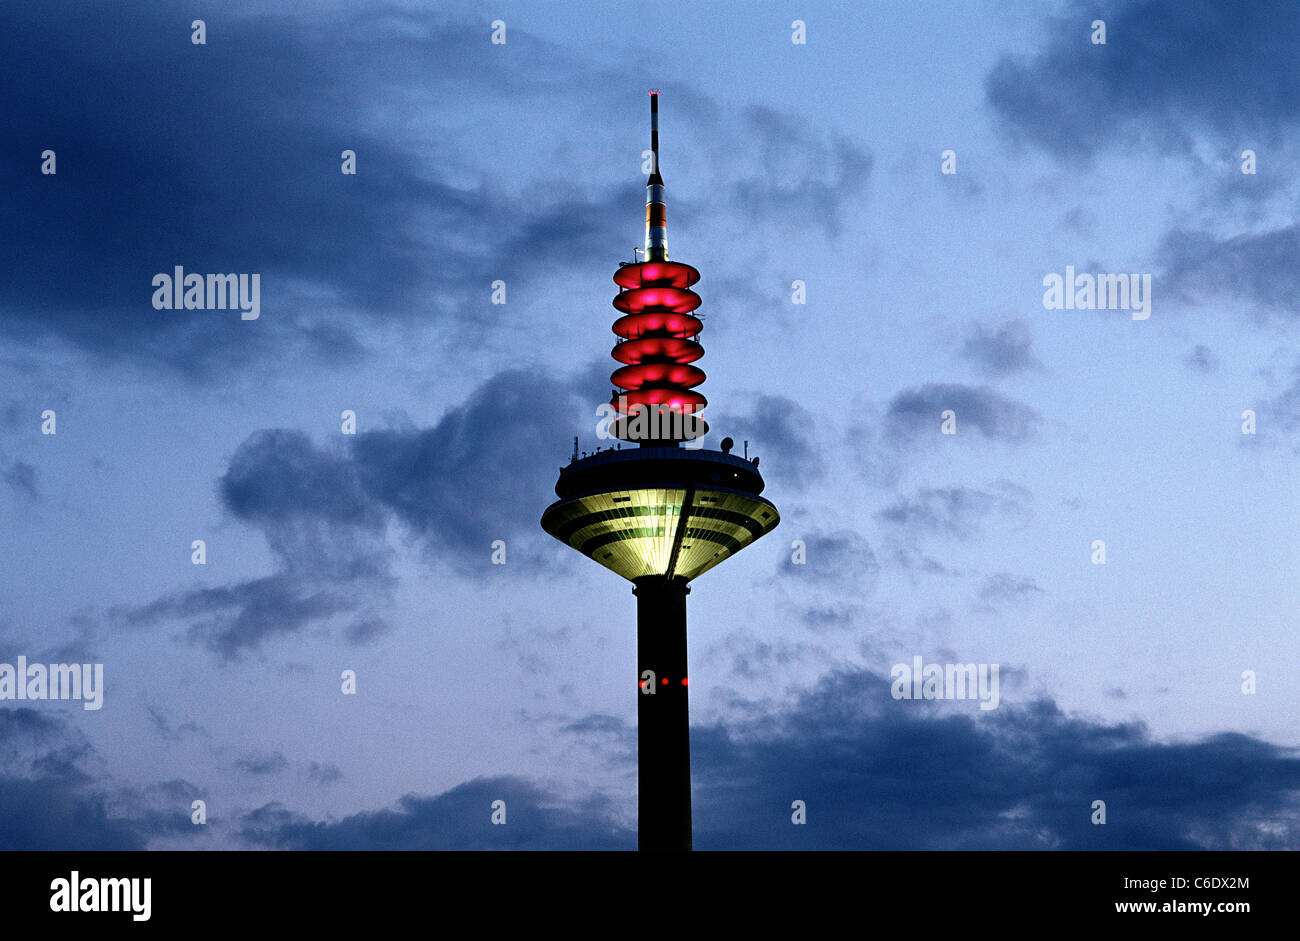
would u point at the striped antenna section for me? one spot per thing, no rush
(656, 212)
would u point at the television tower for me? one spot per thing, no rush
(659, 514)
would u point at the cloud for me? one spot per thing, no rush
(780, 431)
(882, 441)
(1003, 352)
(51, 790)
(875, 773)
(278, 475)
(165, 729)
(801, 179)
(956, 511)
(824, 617)
(606, 735)
(367, 630)
(905, 556)
(143, 186)
(1201, 359)
(879, 773)
(1168, 70)
(842, 556)
(262, 764)
(416, 235)
(472, 478)
(21, 476)
(318, 773)
(915, 414)
(459, 819)
(829, 564)
(242, 616)
(753, 658)
(1004, 586)
(1283, 409)
(1255, 267)
(458, 486)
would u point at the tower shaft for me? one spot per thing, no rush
(663, 719)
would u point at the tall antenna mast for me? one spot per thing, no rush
(656, 212)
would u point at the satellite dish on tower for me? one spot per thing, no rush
(727, 445)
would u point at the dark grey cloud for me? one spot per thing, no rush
(261, 763)
(908, 558)
(278, 476)
(876, 773)
(169, 732)
(825, 617)
(879, 773)
(326, 511)
(233, 164)
(752, 657)
(161, 812)
(831, 563)
(957, 511)
(458, 819)
(1170, 69)
(51, 790)
(55, 795)
(367, 630)
(1003, 586)
(235, 618)
(780, 433)
(803, 179)
(842, 556)
(458, 485)
(1258, 267)
(606, 735)
(35, 392)
(915, 414)
(322, 773)
(1282, 410)
(21, 477)
(596, 723)
(1003, 351)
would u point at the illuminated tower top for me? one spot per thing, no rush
(655, 392)
(659, 510)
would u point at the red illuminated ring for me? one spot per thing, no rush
(645, 374)
(677, 300)
(658, 349)
(672, 274)
(680, 326)
(677, 400)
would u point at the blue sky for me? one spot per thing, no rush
(521, 162)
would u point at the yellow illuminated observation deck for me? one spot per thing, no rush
(665, 511)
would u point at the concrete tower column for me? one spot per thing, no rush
(663, 719)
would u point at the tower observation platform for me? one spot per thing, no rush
(665, 511)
